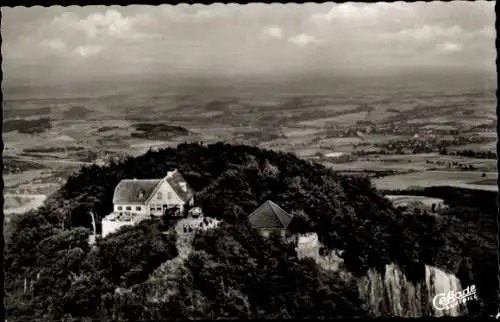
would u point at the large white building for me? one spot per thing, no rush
(136, 200)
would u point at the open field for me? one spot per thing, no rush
(490, 146)
(402, 199)
(18, 204)
(413, 162)
(492, 181)
(345, 118)
(423, 179)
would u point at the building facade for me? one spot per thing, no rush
(153, 196)
(135, 200)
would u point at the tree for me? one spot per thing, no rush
(300, 223)
(128, 256)
(64, 240)
(94, 224)
(63, 213)
(21, 249)
(241, 290)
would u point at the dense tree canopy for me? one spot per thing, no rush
(235, 273)
(269, 279)
(64, 275)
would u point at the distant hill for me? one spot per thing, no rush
(158, 131)
(27, 126)
(14, 165)
(219, 105)
(10, 112)
(76, 112)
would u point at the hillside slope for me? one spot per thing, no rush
(231, 181)
(241, 177)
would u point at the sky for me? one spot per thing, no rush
(67, 43)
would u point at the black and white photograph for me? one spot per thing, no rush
(250, 161)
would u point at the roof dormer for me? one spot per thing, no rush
(140, 194)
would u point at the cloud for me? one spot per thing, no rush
(303, 39)
(365, 13)
(110, 23)
(55, 44)
(87, 51)
(273, 32)
(346, 11)
(424, 33)
(488, 32)
(209, 13)
(449, 47)
(183, 14)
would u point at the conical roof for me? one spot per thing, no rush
(271, 216)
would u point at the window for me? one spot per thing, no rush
(128, 208)
(138, 208)
(158, 209)
(152, 209)
(120, 207)
(169, 195)
(159, 196)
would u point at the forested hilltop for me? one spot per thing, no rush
(52, 272)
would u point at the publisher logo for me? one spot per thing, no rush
(446, 301)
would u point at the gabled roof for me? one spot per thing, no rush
(175, 180)
(134, 191)
(271, 216)
(139, 191)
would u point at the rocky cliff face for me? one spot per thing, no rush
(390, 293)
